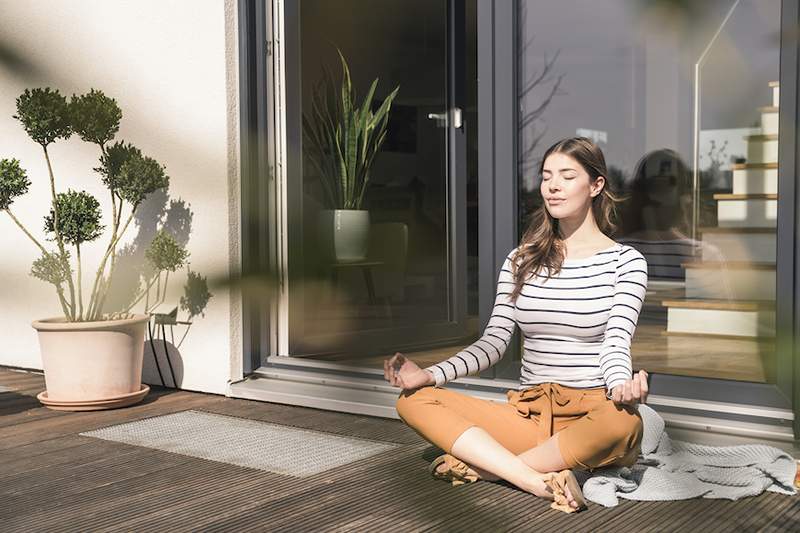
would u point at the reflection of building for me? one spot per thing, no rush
(450, 200)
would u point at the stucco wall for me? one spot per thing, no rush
(171, 66)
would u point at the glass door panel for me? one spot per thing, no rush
(391, 275)
(684, 103)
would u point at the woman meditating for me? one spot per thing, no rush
(576, 295)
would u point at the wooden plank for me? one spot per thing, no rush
(85, 421)
(55, 479)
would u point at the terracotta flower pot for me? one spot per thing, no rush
(92, 365)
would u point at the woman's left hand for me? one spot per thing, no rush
(632, 391)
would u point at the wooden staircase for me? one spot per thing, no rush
(730, 290)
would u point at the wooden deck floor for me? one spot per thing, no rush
(53, 479)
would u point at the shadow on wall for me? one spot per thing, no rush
(163, 363)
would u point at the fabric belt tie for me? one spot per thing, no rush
(546, 394)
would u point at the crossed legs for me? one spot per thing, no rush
(490, 437)
(543, 458)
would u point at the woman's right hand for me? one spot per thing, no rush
(404, 373)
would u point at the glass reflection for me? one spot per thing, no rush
(683, 101)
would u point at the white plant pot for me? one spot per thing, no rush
(345, 234)
(92, 365)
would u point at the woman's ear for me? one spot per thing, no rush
(597, 186)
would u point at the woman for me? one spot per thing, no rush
(576, 294)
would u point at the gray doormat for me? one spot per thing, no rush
(239, 441)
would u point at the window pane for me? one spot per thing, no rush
(377, 272)
(700, 180)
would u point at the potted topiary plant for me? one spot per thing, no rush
(92, 359)
(343, 138)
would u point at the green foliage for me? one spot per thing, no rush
(52, 267)
(164, 253)
(44, 115)
(139, 176)
(75, 217)
(13, 182)
(95, 117)
(78, 217)
(196, 295)
(112, 160)
(344, 137)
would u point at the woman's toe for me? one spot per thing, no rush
(570, 499)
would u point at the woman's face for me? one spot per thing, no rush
(566, 187)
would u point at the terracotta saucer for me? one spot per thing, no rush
(94, 405)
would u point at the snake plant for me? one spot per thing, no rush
(343, 137)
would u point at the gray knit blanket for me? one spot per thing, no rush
(673, 470)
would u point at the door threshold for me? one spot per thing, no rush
(331, 387)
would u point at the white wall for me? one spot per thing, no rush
(172, 67)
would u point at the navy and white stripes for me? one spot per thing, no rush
(577, 326)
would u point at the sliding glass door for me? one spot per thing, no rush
(390, 265)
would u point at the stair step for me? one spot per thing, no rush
(747, 210)
(762, 148)
(720, 305)
(751, 196)
(775, 93)
(718, 229)
(678, 334)
(747, 319)
(747, 166)
(755, 178)
(734, 265)
(735, 280)
(769, 120)
(738, 244)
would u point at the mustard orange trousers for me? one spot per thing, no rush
(593, 431)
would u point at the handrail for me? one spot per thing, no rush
(696, 154)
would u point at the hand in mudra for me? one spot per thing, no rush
(632, 391)
(404, 373)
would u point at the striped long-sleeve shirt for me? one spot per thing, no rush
(577, 326)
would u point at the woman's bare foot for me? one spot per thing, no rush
(538, 487)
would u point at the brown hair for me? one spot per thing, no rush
(542, 246)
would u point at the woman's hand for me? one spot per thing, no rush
(404, 373)
(632, 391)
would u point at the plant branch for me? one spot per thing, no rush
(59, 289)
(37, 243)
(114, 241)
(56, 230)
(80, 294)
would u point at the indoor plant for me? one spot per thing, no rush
(343, 138)
(92, 359)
